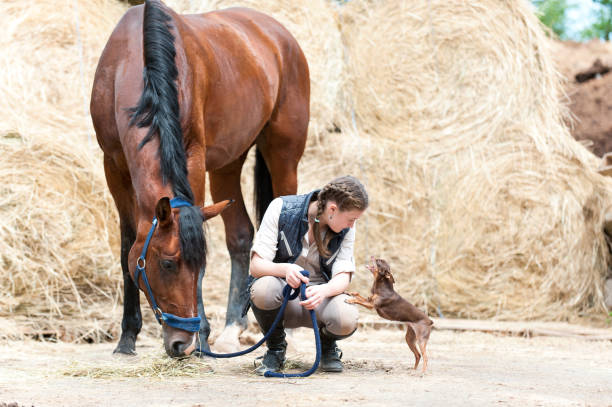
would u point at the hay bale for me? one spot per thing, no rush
(481, 199)
(57, 267)
(49, 55)
(60, 278)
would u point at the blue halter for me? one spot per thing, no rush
(186, 324)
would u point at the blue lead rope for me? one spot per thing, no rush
(288, 294)
(193, 324)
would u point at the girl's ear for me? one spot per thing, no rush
(332, 208)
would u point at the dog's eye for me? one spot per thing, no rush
(167, 265)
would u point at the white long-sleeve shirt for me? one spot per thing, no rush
(266, 244)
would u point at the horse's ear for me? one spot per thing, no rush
(215, 209)
(163, 212)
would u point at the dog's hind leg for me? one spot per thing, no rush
(411, 341)
(423, 346)
(422, 330)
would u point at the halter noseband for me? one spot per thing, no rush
(186, 324)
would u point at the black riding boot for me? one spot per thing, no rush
(274, 359)
(330, 352)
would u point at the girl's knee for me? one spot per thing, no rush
(267, 293)
(343, 320)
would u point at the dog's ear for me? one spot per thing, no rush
(389, 276)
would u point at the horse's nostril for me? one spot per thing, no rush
(178, 348)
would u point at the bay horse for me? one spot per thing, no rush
(176, 96)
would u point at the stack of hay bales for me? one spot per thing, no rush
(49, 57)
(482, 200)
(58, 238)
(449, 112)
(59, 277)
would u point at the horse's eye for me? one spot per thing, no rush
(167, 265)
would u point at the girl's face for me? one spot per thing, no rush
(341, 219)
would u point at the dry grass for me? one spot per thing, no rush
(57, 232)
(158, 366)
(480, 199)
(49, 55)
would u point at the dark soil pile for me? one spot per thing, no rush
(589, 88)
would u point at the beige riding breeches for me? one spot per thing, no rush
(338, 317)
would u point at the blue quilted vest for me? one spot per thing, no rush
(293, 225)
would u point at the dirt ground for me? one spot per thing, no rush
(589, 101)
(465, 368)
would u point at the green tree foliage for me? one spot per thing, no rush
(552, 15)
(602, 27)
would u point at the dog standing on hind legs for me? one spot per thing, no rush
(390, 305)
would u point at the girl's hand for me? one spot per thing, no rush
(315, 294)
(294, 277)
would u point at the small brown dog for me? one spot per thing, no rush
(390, 305)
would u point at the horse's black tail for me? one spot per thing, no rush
(158, 107)
(262, 186)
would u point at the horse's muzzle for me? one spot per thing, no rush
(178, 343)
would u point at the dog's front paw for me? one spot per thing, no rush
(350, 301)
(352, 293)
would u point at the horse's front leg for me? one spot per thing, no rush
(131, 323)
(204, 324)
(132, 318)
(225, 184)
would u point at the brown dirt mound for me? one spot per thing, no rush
(589, 101)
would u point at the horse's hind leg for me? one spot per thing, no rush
(282, 143)
(225, 184)
(131, 322)
(283, 139)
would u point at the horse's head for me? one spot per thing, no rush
(165, 261)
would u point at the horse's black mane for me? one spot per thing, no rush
(158, 109)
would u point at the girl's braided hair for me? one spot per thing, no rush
(349, 194)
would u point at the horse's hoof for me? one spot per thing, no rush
(124, 350)
(228, 341)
